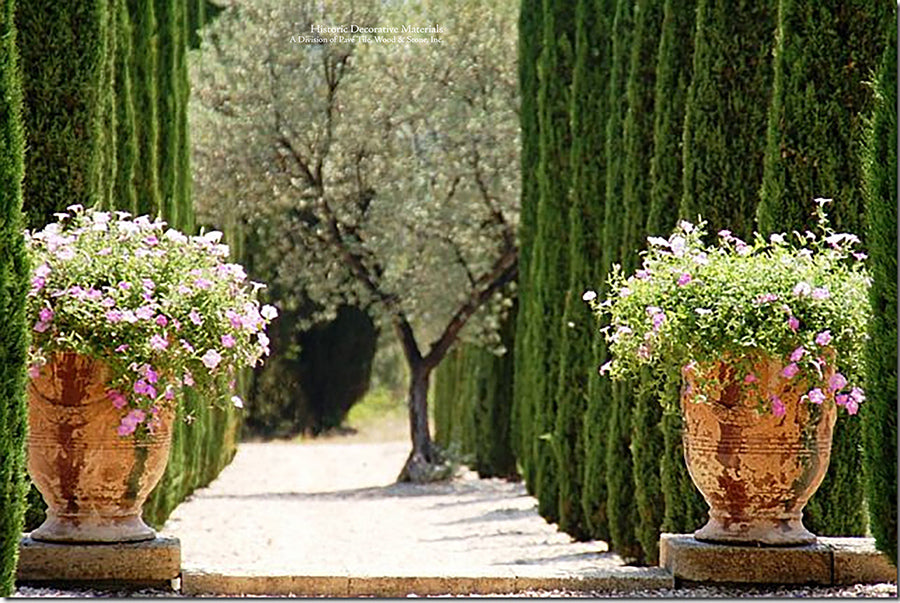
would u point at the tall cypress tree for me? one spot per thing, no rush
(144, 69)
(591, 103)
(588, 113)
(725, 113)
(824, 51)
(642, 405)
(524, 395)
(549, 254)
(64, 50)
(124, 193)
(684, 507)
(13, 286)
(620, 506)
(879, 413)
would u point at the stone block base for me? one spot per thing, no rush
(829, 561)
(149, 563)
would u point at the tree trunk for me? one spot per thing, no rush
(419, 465)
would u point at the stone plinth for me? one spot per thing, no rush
(152, 562)
(829, 561)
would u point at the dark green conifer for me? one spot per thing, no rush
(524, 395)
(65, 64)
(620, 507)
(824, 50)
(683, 505)
(550, 256)
(14, 278)
(590, 112)
(725, 113)
(588, 116)
(879, 413)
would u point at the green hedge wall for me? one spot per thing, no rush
(524, 393)
(621, 512)
(14, 279)
(473, 404)
(683, 507)
(879, 413)
(725, 113)
(586, 348)
(587, 118)
(824, 52)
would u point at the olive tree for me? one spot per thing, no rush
(372, 167)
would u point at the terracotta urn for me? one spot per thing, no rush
(756, 470)
(93, 480)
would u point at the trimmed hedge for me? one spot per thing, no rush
(824, 50)
(683, 507)
(473, 402)
(590, 102)
(14, 279)
(524, 392)
(725, 113)
(549, 257)
(646, 440)
(879, 413)
(620, 508)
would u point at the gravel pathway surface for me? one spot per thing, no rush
(332, 508)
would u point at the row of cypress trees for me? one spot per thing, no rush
(13, 286)
(105, 115)
(658, 110)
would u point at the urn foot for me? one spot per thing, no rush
(93, 529)
(782, 531)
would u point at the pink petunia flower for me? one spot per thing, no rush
(228, 341)
(158, 342)
(816, 396)
(211, 359)
(117, 398)
(684, 279)
(823, 338)
(750, 378)
(837, 382)
(793, 323)
(797, 354)
(820, 293)
(161, 320)
(790, 371)
(778, 408)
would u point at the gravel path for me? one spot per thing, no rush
(331, 508)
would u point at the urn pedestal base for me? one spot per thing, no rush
(153, 562)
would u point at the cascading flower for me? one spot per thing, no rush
(163, 310)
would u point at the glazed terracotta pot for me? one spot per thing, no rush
(93, 480)
(755, 470)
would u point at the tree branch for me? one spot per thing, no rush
(504, 270)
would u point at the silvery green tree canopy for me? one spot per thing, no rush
(377, 172)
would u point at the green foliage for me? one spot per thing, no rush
(66, 86)
(581, 420)
(683, 505)
(587, 115)
(550, 257)
(646, 440)
(879, 414)
(473, 404)
(530, 43)
(823, 53)
(144, 95)
(13, 287)
(124, 193)
(620, 509)
(725, 113)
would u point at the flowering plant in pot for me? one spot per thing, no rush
(768, 337)
(125, 313)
